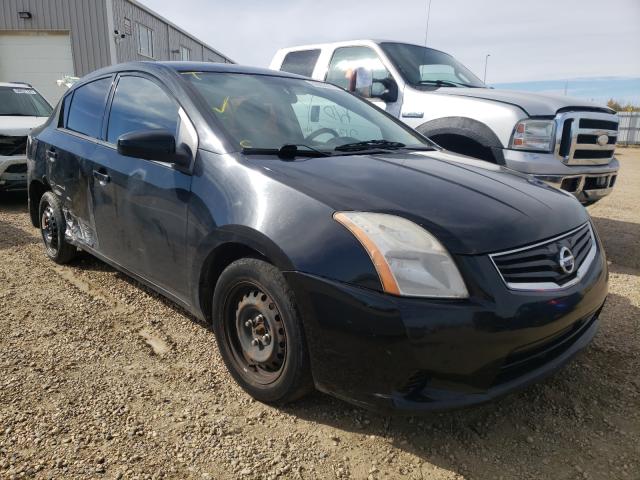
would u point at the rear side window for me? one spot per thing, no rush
(87, 108)
(301, 63)
(140, 104)
(64, 110)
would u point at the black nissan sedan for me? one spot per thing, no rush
(327, 244)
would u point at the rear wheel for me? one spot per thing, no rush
(52, 228)
(260, 333)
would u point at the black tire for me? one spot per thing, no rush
(52, 228)
(275, 372)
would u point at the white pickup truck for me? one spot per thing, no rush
(563, 141)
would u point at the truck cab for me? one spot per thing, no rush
(566, 142)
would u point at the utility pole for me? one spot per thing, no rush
(426, 32)
(486, 60)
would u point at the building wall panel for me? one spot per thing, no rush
(86, 20)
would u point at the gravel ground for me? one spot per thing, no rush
(100, 377)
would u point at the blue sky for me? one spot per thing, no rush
(624, 90)
(542, 40)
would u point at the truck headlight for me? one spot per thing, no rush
(533, 135)
(409, 260)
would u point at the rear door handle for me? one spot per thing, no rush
(52, 155)
(102, 177)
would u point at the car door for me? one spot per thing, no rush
(68, 155)
(143, 203)
(343, 64)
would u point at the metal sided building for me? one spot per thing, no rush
(42, 41)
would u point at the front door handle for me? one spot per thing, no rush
(52, 155)
(102, 177)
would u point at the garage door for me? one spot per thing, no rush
(39, 58)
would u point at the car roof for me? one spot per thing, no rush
(346, 43)
(164, 68)
(15, 84)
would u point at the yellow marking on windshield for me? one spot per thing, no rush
(223, 107)
(245, 143)
(194, 75)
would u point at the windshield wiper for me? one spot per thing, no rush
(369, 145)
(288, 151)
(16, 114)
(447, 83)
(439, 83)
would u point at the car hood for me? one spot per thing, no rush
(471, 206)
(534, 104)
(19, 126)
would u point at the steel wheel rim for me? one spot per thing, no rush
(49, 229)
(255, 333)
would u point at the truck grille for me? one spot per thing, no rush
(538, 266)
(12, 145)
(577, 135)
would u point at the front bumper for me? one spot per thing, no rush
(416, 355)
(9, 178)
(588, 183)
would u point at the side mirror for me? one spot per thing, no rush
(385, 89)
(364, 85)
(158, 145)
(362, 82)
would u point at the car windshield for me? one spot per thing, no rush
(24, 102)
(421, 66)
(269, 112)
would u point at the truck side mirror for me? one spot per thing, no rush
(364, 85)
(362, 81)
(385, 89)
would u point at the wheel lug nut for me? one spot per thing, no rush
(255, 342)
(248, 323)
(266, 339)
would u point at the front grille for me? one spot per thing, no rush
(12, 145)
(598, 124)
(17, 168)
(584, 154)
(538, 266)
(594, 139)
(578, 134)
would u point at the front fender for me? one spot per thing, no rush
(235, 202)
(464, 127)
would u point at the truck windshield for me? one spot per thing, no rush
(23, 102)
(421, 66)
(269, 112)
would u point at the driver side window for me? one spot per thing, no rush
(316, 113)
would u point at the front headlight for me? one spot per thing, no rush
(533, 135)
(409, 260)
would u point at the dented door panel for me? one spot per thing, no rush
(69, 174)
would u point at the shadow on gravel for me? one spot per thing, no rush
(621, 241)
(13, 202)
(11, 236)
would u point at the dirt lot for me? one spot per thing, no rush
(99, 377)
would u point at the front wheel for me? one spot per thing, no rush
(52, 228)
(259, 332)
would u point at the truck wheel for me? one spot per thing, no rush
(259, 332)
(465, 146)
(52, 228)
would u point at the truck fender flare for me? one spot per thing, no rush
(465, 127)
